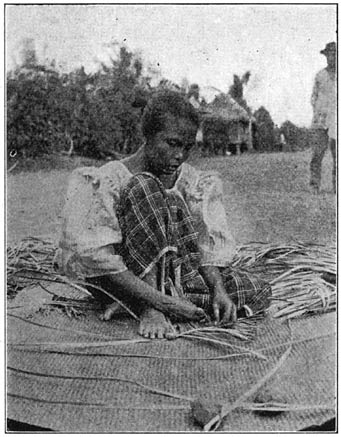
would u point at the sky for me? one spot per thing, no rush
(207, 44)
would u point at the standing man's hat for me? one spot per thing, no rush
(330, 47)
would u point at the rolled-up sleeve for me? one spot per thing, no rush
(203, 193)
(90, 229)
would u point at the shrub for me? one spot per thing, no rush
(94, 115)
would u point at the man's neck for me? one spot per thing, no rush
(135, 163)
(168, 180)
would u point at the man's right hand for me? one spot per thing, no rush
(224, 310)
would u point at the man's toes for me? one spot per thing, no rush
(142, 331)
(147, 331)
(152, 333)
(162, 332)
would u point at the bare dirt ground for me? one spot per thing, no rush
(267, 198)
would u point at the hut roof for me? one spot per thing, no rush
(224, 106)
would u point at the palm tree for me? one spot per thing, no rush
(236, 90)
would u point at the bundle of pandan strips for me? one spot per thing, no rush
(28, 262)
(302, 275)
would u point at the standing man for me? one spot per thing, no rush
(323, 101)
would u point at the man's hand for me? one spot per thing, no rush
(224, 310)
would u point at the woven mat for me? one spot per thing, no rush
(64, 374)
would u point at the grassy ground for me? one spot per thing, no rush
(267, 198)
(53, 161)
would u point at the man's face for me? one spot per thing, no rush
(170, 147)
(331, 59)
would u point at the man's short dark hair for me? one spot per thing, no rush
(162, 103)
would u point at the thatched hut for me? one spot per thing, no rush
(227, 126)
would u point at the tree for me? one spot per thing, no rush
(116, 102)
(236, 90)
(264, 140)
(184, 85)
(93, 115)
(297, 138)
(28, 53)
(33, 123)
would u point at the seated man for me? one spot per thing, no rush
(153, 222)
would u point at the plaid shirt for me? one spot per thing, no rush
(157, 230)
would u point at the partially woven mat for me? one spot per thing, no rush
(70, 375)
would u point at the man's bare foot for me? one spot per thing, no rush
(154, 324)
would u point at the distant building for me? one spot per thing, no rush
(227, 126)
